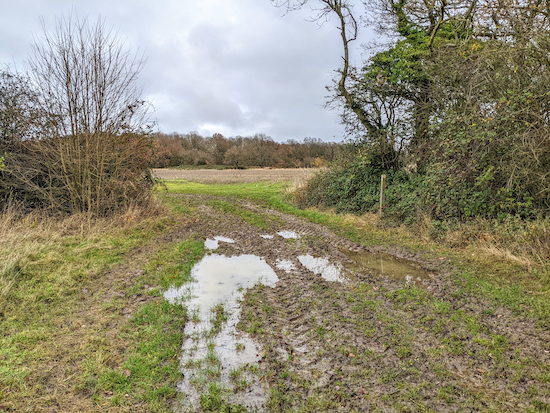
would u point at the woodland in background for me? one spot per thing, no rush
(454, 109)
(249, 151)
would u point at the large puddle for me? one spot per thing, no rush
(387, 265)
(323, 267)
(214, 351)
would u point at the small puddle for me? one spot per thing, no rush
(388, 265)
(323, 267)
(210, 355)
(212, 244)
(267, 236)
(285, 265)
(288, 234)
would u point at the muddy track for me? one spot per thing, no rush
(375, 343)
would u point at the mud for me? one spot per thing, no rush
(376, 342)
(220, 280)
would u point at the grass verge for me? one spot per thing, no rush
(82, 325)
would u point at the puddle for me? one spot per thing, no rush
(285, 265)
(323, 267)
(288, 234)
(266, 236)
(219, 280)
(388, 265)
(212, 244)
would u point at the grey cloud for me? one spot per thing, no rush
(231, 66)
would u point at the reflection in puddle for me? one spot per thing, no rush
(285, 265)
(322, 267)
(288, 234)
(219, 280)
(387, 264)
(212, 244)
(266, 236)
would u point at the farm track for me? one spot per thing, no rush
(375, 343)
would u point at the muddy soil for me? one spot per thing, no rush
(372, 342)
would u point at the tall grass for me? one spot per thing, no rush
(26, 237)
(513, 240)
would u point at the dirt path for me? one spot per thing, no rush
(374, 343)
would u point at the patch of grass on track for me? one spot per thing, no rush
(264, 192)
(256, 220)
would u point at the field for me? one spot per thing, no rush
(346, 316)
(232, 176)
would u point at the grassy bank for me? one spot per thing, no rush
(83, 325)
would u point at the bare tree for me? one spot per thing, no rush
(86, 79)
(92, 153)
(348, 27)
(20, 116)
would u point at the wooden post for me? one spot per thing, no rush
(382, 187)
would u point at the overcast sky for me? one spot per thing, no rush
(235, 67)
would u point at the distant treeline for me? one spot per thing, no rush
(260, 150)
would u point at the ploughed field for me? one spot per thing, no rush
(235, 175)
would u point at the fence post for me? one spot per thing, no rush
(382, 187)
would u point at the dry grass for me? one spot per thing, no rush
(299, 181)
(35, 238)
(515, 242)
(60, 301)
(503, 253)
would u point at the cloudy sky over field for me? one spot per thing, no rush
(236, 67)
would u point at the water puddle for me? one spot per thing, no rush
(285, 265)
(212, 244)
(214, 351)
(267, 236)
(388, 265)
(323, 267)
(288, 234)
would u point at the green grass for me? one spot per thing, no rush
(260, 221)
(60, 290)
(260, 191)
(155, 334)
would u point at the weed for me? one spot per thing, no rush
(321, 330)
(441, 307)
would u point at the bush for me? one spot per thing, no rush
(75, 136)
(353, 185)
(96, 174)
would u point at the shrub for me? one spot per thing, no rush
(96, 174)
(75, 135)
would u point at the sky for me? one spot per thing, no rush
(235, 67)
